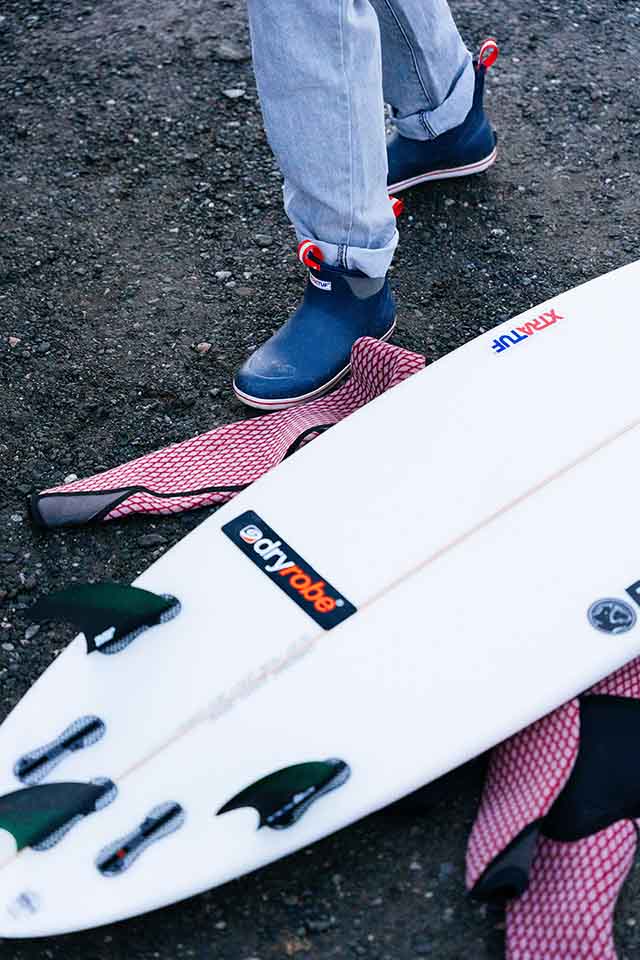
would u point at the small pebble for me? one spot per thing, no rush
(203, 347)
(31, 631)
(233, 93)
(14, 341)
(70, 478)
(319, 924)
(263, 239)
(7, 557)
(227, 50)
(223, 274)
(151, 540)
(8, 646)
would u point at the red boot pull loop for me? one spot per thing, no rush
(310, 254)
(397, 205)
(488, 53)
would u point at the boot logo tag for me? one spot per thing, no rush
(320, 284)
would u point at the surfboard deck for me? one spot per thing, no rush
(446, 544)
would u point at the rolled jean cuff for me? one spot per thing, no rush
(372, 262)
(428, 124)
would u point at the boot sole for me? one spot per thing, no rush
(285, 403)
(445, 174)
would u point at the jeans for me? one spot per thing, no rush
(324, 69)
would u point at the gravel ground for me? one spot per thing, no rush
(134, 176)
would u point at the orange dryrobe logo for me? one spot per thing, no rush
(303, 584)
(288, 570)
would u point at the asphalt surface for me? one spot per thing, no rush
(128, 180)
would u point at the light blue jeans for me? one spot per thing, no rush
(324, 69)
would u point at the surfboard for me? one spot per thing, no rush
(437, 571)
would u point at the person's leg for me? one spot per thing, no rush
(318, 67)
(319, 74)
(428, 74)
(435, 92)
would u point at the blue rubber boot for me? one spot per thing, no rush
(466, 149)
(310, 353)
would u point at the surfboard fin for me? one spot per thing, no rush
(40, 816)
(110, 615)
(107, 794)
(281, 798)
(37, 764)
(117, 857)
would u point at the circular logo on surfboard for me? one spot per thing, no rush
(611, 615)
(251, 533)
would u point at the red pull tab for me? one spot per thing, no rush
(310, 254)
(488, 53)
(397, 205)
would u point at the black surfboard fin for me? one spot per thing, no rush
(281, 798)
(40, 816)
(110, 615)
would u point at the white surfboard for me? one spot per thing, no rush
(437, 571)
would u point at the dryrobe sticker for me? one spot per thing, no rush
(288, 570)
(519, 334)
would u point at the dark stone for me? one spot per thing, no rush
(319, 924)
(422, 945)
(151, 540)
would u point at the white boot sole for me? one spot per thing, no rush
(445, 174)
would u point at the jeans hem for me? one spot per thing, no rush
(429, 124)
(374, 262)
